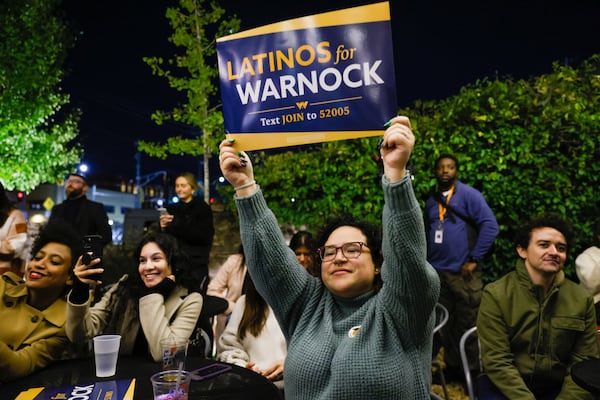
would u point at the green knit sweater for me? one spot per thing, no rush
(389, 355)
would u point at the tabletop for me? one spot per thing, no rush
(587, 375)
(236, 383)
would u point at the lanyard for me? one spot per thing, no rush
(442, 209)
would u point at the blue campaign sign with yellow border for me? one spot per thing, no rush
(318, 78)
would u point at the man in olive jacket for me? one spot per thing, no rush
(533, 323)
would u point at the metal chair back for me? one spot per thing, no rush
(469, 381)
(441, 318)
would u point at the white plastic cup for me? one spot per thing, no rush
(106, 352)
(174, 351)
(171, 385)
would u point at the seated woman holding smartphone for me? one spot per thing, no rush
(157, 302)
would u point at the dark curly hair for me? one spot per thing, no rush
(371, 231)
(549, 220)
(59, 231)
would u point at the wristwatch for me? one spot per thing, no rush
(474, 259)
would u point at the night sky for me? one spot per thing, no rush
(439, 47)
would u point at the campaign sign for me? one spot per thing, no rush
(319, 78)
(122, 389)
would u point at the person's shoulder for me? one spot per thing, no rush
(12, 285)
(11, 278)
(430, 198)
(59, 206)
(466, 188)
(587, 268)
(240, 303)
(5, 281)
(199, 201)
(502, 285)
(592, 252)
(193, 296)
(575, 288)
(185, 293)
(94, 203)
(17, 214)
(114, 286)
(592, 249)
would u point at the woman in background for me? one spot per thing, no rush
(252, 338)
(304, 247)
(230, 278)
(157, 302)
(191, 222)
(228, 284)
(13, 236)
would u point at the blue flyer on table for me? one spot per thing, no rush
(318, 78)
(107, 390)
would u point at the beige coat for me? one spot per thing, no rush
(229, 281)
(30, 339)
(588, 271)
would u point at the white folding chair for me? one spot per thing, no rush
(441, 318)
(469, 380)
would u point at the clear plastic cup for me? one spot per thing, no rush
(106, 352)
(171, 385)
(174, 351)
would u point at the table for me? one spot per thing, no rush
(587, 375)
(236, 384)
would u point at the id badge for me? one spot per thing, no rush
(439, 235)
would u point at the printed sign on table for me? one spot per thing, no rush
(122, 389)
(319, 78)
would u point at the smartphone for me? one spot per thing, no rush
(162, 211)
(92, 249)
(210, 371)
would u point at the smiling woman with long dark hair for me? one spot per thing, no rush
(158, 301)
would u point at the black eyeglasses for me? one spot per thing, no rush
(349, 250)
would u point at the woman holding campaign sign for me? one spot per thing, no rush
(362, 330)
(157, 302)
